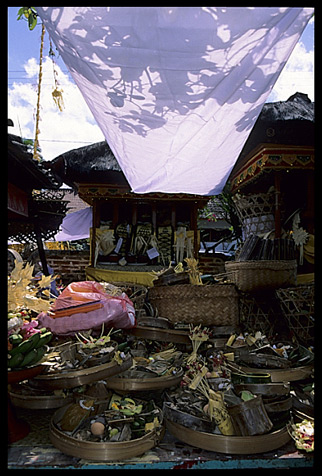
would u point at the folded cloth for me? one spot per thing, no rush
(85, 305)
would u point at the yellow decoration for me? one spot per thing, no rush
(22, 292)
(194, 274)
(58, 98)
(57, 93)
(110, 276)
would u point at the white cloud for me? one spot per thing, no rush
(74, 123)
(297, 75)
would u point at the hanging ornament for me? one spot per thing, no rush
(57, 93)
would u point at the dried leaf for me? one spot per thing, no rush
(153, 424)
(45, 281)
(21, 293)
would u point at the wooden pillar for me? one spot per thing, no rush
(41, 250)
(115, 213)
(277, 180)
(309, 213)
(95, 224)
(134, 213)
(154, 217)
(173, 216)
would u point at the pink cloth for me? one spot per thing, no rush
(116, 312)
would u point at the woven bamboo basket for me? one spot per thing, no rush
(251, 276)
(258, 313)
(297, 305)
(256, 212)
(210, 305)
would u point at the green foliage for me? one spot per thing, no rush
(229, 208)
(30, 14)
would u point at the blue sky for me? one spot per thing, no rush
(75, 126)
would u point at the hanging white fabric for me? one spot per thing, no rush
(175, 90)
(76, 225)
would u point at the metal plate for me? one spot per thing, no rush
(229, 444)
(136, 384)
(105, 451)
(76, 378)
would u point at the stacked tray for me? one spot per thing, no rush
(75, 378)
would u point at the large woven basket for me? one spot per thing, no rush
(259, 312)
(256, 212)
(297, 304)
(210, 305)
(262, 274)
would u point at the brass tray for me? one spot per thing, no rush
(243, 445)
(138, 384)
(105, 451)
(170, 335)
(156, 322)
(283, 375)
(35, 402)
(159, 334)
(186, 419)
(75, 378)
(264, 389)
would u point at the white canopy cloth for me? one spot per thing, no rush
(175, 90)
(76, 225)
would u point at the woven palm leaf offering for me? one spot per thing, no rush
(198, 336)
(82, 361)
(156, 365)
(127, 427)
(205, 403)
(84, 351)
(303, 435)
(284, 361)
(206, 411)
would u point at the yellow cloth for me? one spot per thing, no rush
(111, 276)
(305, 278)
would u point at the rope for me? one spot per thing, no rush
(36, 143)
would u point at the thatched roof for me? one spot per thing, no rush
(94, 163)
(24, 171)
(46, 207)
(283, 122)
(289, 122)
(297, 107)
